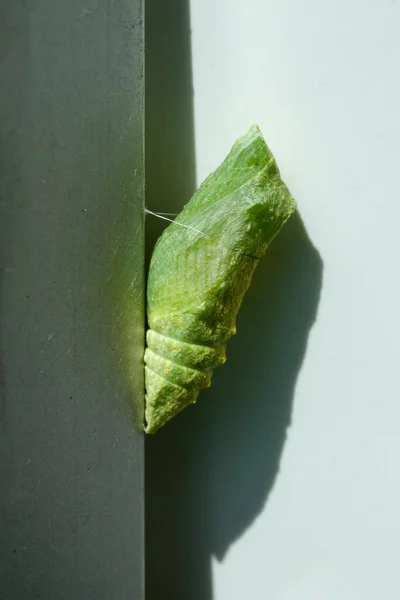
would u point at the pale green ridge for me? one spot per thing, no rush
(191, 379)
(197, 280)
(164, 400)
(193, 355)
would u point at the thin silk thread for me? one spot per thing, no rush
(159, 216)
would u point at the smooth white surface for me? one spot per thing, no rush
(322, 81)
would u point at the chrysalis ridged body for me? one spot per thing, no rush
(200, 272)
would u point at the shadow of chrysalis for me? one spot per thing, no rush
(210, 471)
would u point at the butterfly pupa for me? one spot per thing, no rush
(200, 272)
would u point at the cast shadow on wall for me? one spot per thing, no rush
(209, 472)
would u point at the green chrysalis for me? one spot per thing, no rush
(201, 267)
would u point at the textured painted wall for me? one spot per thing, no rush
(282, 482)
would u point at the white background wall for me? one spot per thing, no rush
(322, 81)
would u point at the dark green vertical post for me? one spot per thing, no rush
(72, 299)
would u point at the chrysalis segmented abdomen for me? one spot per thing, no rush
(176, 371)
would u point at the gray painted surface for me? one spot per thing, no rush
(71, 238)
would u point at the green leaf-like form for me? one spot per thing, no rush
(200, 271)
